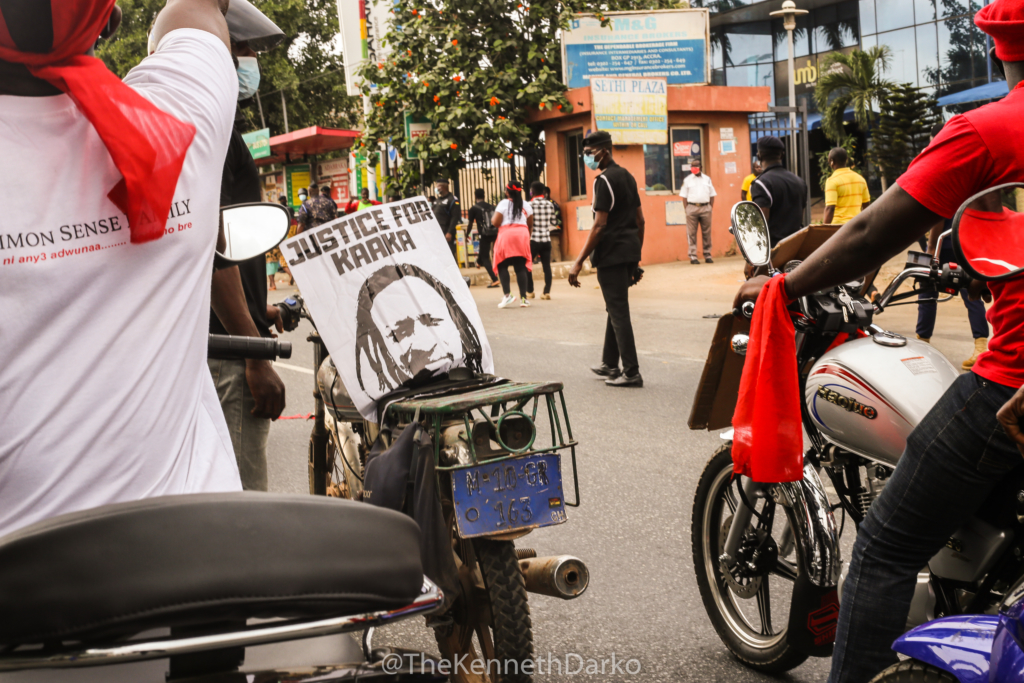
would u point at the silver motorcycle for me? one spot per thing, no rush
(767, 556)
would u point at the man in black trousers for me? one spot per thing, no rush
(613, 246)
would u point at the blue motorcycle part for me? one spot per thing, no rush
(1007, 649)
(961, 645)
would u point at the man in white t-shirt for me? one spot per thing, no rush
(105, 394)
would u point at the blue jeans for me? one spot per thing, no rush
(926, 304)
(953, 459)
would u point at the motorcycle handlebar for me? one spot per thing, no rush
(746, 310)
(227, 347)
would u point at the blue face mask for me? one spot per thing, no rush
(248, 77)
(591, 162)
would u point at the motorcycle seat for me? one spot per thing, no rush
(191, 560)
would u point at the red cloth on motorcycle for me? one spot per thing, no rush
(768, 434)
(147, 145)
(1004, 21)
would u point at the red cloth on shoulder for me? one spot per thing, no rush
(147, 145)
(768, 434)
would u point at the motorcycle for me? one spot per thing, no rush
(770, 583)
(222, 587)
(489, 436)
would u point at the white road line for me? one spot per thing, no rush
(296, 368)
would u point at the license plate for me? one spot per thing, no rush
(513, 494)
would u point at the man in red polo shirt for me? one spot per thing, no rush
(961, 449)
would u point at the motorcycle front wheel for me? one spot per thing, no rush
(749, 607)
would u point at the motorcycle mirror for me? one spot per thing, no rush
(988, 233)
(751, 232)
(253, 229)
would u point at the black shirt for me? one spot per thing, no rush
(240, 184)
(615, 192)
(448, 213)
(785, 194)
(481, 213)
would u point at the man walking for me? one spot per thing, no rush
(325, 191)
(614, 247)
(781, 195)
(698, 200)
(480, 215)
(544, 219)
(846, 192)
(316, 210)
(447, 211)
(745, 188)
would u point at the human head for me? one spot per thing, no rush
(365, 194)
(394, 197)
(479, 194)
(757, 167)
(695, 167)
(770, 150)
(838, 158)
(514, 193)
(248, 70)
(1003, 20)
(314, 190)
(325, 191)
(441, 186)
(388, 348)
(547, 192)
(303, 194)
(536, 189)
(282, 200)
(598, 148)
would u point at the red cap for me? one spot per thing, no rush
(1004, 21)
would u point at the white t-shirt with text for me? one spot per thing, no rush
(105, 393)
(505, 209)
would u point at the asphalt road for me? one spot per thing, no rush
(638, 463)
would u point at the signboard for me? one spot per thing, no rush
(334, 167)
(670, 44)
(726, 134)
(389, 300)
(633, 110)
(415, 127)
(682, 148)
(675, 213)
(258, 143)
(296, 177)
(364, 25)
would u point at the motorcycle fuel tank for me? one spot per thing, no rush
(867, 398)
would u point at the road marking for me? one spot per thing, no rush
(296, 368)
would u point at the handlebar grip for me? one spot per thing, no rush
(746, 310)
(227, 347)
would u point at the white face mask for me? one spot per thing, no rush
(248, 77)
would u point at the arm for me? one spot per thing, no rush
(933, 236)
(830, 212)
(600, 221)
(227, 298)
(743, 195)
(640, 224)
(496, 219)
(204, 15)
(529, 222)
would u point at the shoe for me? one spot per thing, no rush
(624, 381)
(530, 295)
(546, 297)
(494, 284)
(695, 262)
(980, 346)
(507, 301)
(523, 303)
(605, 370)
(926, 340)
(708, 260)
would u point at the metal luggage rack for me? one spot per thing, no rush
(498, 397)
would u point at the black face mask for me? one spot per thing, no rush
(997, 63)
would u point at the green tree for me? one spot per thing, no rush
(305, 66)
(904, 129)
(851, 80)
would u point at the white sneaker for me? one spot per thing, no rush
(523, 303)
(507, 301)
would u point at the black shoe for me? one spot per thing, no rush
(624, 381)
(695, 262)
(606, 371)
(708, 260)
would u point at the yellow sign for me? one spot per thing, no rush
(633, 110)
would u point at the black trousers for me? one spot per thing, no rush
(483, 259)
(518, 264)
(618, 336)
(542, 249)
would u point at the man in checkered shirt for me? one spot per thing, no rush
(545, 217)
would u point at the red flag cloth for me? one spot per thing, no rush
(768, 438)
(147, 145)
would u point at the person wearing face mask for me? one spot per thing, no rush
(613, 245)
(698, 195)
(251, 393)
(782, 195)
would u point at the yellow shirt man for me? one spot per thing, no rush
(845, 194)
(748, 181)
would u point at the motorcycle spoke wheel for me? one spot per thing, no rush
(764, 608)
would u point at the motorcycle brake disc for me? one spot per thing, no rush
(741, 581)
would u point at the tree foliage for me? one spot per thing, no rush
(852, 80)
(306, 65)
(904, 129)
(849, 143)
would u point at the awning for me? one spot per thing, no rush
(989, 91)
(313, 140)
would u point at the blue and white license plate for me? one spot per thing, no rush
(513, 494)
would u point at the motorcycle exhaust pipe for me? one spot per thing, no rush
(560, 576)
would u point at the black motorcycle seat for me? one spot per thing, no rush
(196, 559)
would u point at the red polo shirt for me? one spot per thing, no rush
(975, 151)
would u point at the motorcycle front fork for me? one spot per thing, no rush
(741, 520)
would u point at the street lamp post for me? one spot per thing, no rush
(789, 13)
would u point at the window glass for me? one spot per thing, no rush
(747, 43)
(902, 56)
(927, 55)
(657, 168)
(950, 8)
(867, 16)
(955, 38)
(979, 53)
(716, 50)
(801, 38)
(836, 27)
(718, 77)
(892, 14)
(752, 75)
(925, 10)
(686, 148)
(868, 42)
(574, 164)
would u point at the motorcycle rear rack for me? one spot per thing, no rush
(429, 601)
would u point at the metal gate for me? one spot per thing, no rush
(798, 156)
(491, 174)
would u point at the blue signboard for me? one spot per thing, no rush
(667, 44)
